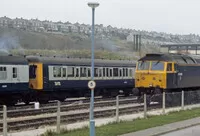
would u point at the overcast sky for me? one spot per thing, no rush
(171, 16)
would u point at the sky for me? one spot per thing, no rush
(170, 16)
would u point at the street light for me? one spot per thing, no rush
(93, 5)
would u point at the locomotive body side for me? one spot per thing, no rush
(156, 73)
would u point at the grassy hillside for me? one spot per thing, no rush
(71, 44)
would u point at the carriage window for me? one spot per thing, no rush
(64, 72)
(3, 73)
(95, 72)
(77, 72)
(32, 71)
(143, 65)
(89, 72)
(100, 72)
(120, 72)
(70, 71)
(107, 72)
(57, 71)
(111, 72)
(130, 72)
(104, 72)
(115, 72)
(126, 72)
(83, 72)
(157, 65)
(14, 72)
(169, 67)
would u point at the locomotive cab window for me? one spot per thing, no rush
(143, 65)
(157, 65)
(169, 67)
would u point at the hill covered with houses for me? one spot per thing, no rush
(36, 34)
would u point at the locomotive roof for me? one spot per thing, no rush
(13, 60)
(179, 58)
(79, 61)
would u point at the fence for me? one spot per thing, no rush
(61, 114)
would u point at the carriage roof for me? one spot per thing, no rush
(79, 61)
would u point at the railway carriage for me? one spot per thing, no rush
(60, 78)
(14, 80)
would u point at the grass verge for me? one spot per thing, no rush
(115, 129)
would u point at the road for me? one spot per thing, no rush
(191, 131)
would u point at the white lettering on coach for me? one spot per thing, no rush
(57, 83)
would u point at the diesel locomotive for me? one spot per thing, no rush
(39, 78)
(156, 73)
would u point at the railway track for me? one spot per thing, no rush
(34, 123)
(64, 108)
(66, 102)
(21, 119)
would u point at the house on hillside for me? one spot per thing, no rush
(5, 21)
(50, 26)
(20, 23)
(36, 25)
(62, 27)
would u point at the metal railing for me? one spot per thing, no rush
(60, 114)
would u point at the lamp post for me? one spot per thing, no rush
(93, 5)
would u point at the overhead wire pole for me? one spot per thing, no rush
(93, 5)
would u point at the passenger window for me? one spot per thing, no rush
(95, 72)
(83, 72)
(120, 72)
(3, 73)
(100, 72)
(89, 72)
(77, 72)
(111, 72)
(169, 67)
(126, 72)
(14, 72)
(64, 72)
(130, 72)
(107, 72)
(57, 71)
(70, 71)
(104, 72)
(115, 72)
